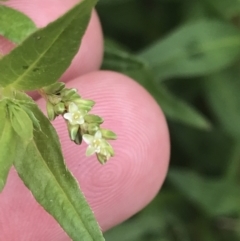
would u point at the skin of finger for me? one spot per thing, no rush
(90, 54)
(116, 190)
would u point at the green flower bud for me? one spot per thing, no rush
(101, 158)
(54, 88)
(73, 97)
(109, 150)
(84, 103)
(54, 99)
(93, 119)
(109, 135)
(78, 139)
(89, 128)
(50, 111)
(59, 108)
(73, 131)
(66, 94)
(83, 108)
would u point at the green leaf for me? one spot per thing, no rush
(222, 93)
(110, 2)
(35, 121)
(118, 59)
(228, 9)
(20, 122)
(89, 118)
(179, 110)
(215, 196)
(44, 172)
(44, 56)
(8, 143)
(14, 25)
(108, 134)
(209, 152)
(195, 49)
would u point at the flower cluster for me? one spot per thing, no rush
(81, 124)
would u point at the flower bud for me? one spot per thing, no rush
(89, 128)
(54, 88)
(73, 131)
(74, 97)
(109, 150)
(93, 119)
(83, 108)
(109, 135)
(101, 158)
(82, 103)
(50, 111)
(78, 139)
(59, 108)
(66, 94)
(54, 99)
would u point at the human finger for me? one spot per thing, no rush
(116, 190)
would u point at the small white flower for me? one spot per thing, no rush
(96, 144)
(74, 116)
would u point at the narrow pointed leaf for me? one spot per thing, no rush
(195, 49)
(222, 93)
(44, 56)
(14, 25)
(175, 109)
(207, 193)
(7, 145)
(179, 110)
(227, 9)
(44, 172)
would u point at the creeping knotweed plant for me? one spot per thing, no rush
(28, 140)
(80, 122)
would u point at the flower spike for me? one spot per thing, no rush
(80, 124)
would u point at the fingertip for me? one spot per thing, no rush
(90, 55)
(131, 179)
(116, 190)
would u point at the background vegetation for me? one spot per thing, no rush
(186, 53)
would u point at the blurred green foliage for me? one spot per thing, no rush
(186, 53)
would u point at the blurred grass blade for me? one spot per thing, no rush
(118, 59)
(228, 9)
(195, 49)
(112, 2)
(222, 92)
(179, 110)
(44, 56)
(215, 196)
(44, 172)
(14, 25)
(175, 109)
(208, 151)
